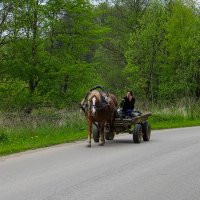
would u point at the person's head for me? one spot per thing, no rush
(129, 94)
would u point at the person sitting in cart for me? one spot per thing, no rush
(128, 104)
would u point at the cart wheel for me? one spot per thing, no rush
(146, 130)
(137, 133)
(95, 133)
(108, 134)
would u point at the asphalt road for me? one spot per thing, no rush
(165, 168)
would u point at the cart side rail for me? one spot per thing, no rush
(135, 120)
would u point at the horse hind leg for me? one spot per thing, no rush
(112, 126)
(102, 139)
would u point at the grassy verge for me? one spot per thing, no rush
(166, 122)
(21, 138)
(45, 127)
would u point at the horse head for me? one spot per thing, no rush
(91, 103)
(94, 101)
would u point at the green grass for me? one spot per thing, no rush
(167, 121)
(21, 139)
(32, 134)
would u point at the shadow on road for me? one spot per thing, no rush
(125, 141)
(122, 141)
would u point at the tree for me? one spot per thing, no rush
(183, 49)
(49, 44)
(145, 51)
(121, 17)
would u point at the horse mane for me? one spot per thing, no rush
(94, 93)
(95, 89)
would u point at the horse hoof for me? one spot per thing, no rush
(101, 144)
(89, 145)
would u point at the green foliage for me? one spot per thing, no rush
(163, 54)
(48, 49)
(182, 41)
(52, 52)
(3, 138)
(49, 126)
(46, 126)
(145, 52)
(121, 18)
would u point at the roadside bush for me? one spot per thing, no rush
(3, 138)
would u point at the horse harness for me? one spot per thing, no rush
(102, 104)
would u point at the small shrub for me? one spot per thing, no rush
(3, 137)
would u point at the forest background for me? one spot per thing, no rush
(53, 51)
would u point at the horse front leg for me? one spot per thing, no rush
(89, 132)
(102, 138)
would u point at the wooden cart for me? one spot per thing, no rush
(138, 126)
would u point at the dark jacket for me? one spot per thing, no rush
(127, 105)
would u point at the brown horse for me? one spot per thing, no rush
(99, 108)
